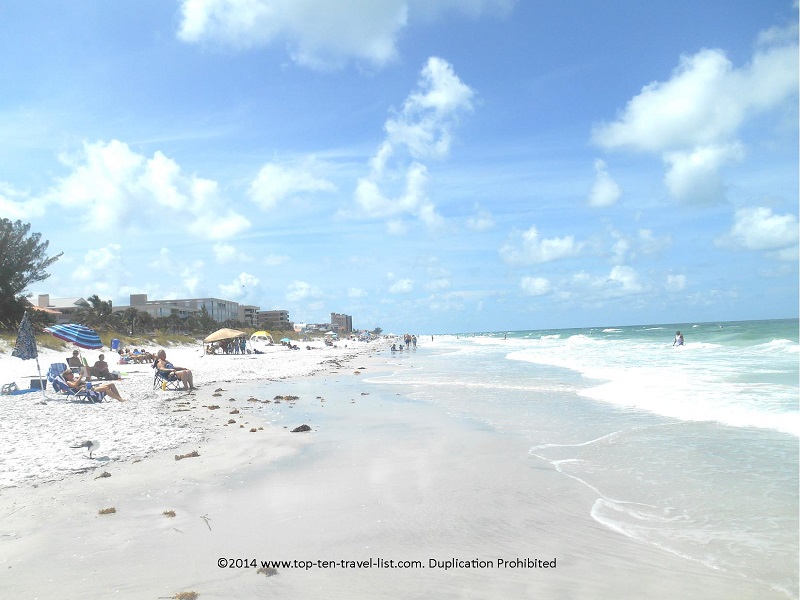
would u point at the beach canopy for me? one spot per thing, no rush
(285, 340)
(332, 333)
(80, 335)
(224, 334)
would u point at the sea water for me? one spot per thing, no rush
(692, 449)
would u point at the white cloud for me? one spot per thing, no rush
(318, 33)
(528, 247)
(191, 276)
(112, 187)
(19, 205)
(302, 290)
(441, 283)
(482, 220)
(629, 247)
(421, 130)
(225, 253)
(273, 260)
(627, 278)
(693, 118)
(356, 293)
(164, 262)
(402, 286)
(424, 124)
(275, 183)
(100, 264)
(605, 191)
(759, 229)
(239, 287)
(535, 286)
(676, 283)
(694, 176)
(621, 281)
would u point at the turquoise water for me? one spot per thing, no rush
(691, 449)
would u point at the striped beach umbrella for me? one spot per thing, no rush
(80, 335)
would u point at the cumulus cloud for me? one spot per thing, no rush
(605, 191)
(319, 33)
(275, 183)
(535, 286)
(99, 264)
(421, 130)
(124, 189)
(759, 229)
(402, 286)
(482, 220)
(273, 260)
(191, 276)
(356, 293)
(693, 118)
(302, 290)
(225, 253)
(676, 283)
(19, 205)
(694, 175)
(528, 247)
(621, 281)
(644, 242)
(240, 287)
(627, 278)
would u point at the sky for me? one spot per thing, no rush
(424, 166)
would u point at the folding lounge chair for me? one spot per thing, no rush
(166, 380)
(60, 386)
(55, 370)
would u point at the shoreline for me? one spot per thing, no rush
(379, 476)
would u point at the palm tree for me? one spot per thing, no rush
(98, 314)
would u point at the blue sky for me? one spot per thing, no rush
(459, 165)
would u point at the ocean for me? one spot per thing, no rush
(690, 449)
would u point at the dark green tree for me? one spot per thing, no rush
(23, 261)
(98, 314)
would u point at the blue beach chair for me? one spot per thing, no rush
(60, 386)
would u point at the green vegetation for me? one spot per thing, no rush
(23, 261)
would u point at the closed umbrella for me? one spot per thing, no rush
(25, 348)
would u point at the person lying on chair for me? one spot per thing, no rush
(79, 384)
(167, 369)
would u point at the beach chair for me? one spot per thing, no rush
(165, 380)
(60, 386)
(55, 370)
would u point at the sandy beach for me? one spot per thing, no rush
(384, 497)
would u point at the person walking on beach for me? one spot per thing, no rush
(170, 370)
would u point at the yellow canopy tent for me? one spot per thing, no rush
(224, 334)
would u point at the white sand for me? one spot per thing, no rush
(36, 437)
(378, 477)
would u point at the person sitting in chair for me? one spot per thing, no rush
(79, 384)
(74, 362)
(100, 369)
(170, 371)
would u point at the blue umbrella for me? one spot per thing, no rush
(80, 335)
(25, 348)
